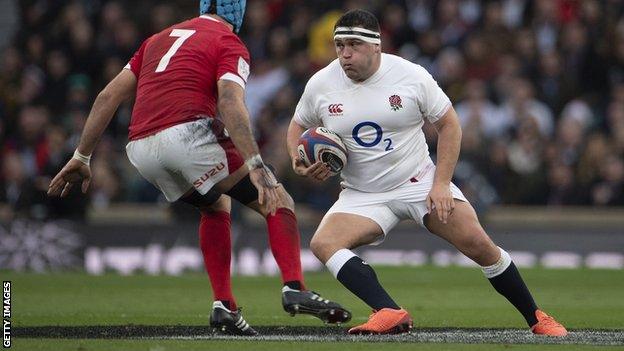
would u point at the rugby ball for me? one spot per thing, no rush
(322, 144)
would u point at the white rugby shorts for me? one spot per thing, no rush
(407, 201)
(195, 154)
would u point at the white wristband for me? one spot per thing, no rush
(254, 162)
(82, 158)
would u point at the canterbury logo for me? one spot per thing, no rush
(335, 109)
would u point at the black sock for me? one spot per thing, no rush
(295, 284)
(227, 304)
(510, 284)
(360, 279)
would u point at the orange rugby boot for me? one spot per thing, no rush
(385, 321)
(547, 325)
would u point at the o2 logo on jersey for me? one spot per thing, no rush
(378, 135)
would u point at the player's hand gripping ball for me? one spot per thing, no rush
(322, 144)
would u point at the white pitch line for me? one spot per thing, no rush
(614, 338)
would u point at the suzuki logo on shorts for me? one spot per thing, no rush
(211, 173)
(335, 109)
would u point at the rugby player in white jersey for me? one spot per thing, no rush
(378, 103)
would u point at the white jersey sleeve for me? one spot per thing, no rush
(432, 100)
(306, 114)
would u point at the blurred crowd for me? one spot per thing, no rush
(538, 86)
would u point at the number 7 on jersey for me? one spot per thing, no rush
(182, 35)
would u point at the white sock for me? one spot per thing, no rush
(499, 267)
(338, 259)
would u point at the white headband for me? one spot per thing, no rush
(363, 34)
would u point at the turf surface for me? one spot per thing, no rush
(436, 297)
(169, 345)
(328, 334)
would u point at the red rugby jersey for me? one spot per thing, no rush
(177, 71)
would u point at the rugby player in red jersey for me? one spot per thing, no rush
(181, 77)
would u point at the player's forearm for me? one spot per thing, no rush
(100, 116)
(292, 138)
(236, 120)
(449, 144)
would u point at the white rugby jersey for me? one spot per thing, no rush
(380, 120)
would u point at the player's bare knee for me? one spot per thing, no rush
(479, 249)
(261, 209)
(472, 246)
(223, 204)
(321, 246)
(316, 245)
(285, 200)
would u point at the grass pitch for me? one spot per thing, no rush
(108, 312)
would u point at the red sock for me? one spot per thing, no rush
(216, 246)
(284, 241)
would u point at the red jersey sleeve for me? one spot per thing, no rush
(233, 62)
(137, 60)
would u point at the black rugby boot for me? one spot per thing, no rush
(309, 302)
(229, 322)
